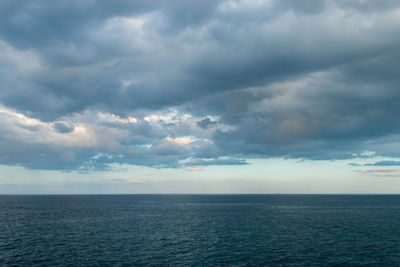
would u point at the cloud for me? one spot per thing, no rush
(379, 163)
(390, 172)
(384, 163)
(217, 161)
(206, 123)
(194, 169)
(156, 84)
(94, 140)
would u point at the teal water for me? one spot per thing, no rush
(187, 230)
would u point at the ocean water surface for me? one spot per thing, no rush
(187, 230)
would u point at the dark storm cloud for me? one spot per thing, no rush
(31, 24)
(302, 79)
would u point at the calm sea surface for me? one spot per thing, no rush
(185, 230)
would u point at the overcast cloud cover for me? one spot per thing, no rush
(85, 84)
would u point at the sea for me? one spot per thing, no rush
(200, 230)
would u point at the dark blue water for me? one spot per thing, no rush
(273, 230)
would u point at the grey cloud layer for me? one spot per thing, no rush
(307, 79)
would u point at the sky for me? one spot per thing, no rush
(242, 96)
